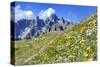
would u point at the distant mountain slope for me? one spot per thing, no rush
(78, 43)
(26, 29)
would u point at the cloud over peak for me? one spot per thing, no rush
(46, 13)
(22, 14)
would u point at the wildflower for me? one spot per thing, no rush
(88, 49)
(74, 49)
(82, 30)
(82, 43)
(85, 54)
(77, 47)
(90, 59)
(93, 23)
(70, 56)
(89, 32)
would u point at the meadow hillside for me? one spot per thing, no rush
(76, 44)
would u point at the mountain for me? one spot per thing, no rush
(19, 27)
(78, 43)
(26, 29)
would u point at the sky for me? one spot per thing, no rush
(29, 10)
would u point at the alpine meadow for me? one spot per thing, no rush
(52, 33)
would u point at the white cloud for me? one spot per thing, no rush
(28, 13)
(22, 14)
(46, 13)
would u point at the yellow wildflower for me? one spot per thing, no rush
(86, 54)
(82, 43)
(88, 49)
(90, 59)
(82, 29)
(70, 56)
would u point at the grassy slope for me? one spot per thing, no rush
(79, 43)
(25, 50)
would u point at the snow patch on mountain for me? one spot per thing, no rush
(26, 31)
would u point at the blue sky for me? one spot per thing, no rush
(70, 12)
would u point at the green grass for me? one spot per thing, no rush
(77, 44)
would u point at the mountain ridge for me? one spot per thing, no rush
(26, 29)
